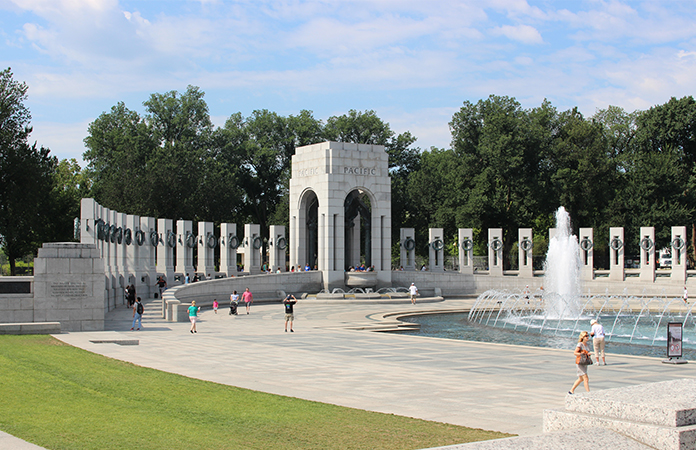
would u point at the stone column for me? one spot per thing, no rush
(117, 286)
(133, 261)
(165, 251)
(88, 232)
(526, 243)
(647, 254)
(678, 244)
(121, 251)
(144, 285)
(253, 246)
(408, 249)
(436, 250)
(587, 253)
(185, 242)
(616, 253)
(277, 243)
(228, 248)
(466, 251)
(206, 250)
(495, 251)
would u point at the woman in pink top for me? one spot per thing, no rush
(248, 299)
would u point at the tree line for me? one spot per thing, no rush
(508, 167)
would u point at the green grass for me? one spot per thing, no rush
(62, 397)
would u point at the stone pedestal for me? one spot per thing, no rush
(660, 415)
(495, 251)
(408, 249)
(647, 254)
(69, 286)
(616, 253)
(586, 241)
(466, 250)
(525, 243)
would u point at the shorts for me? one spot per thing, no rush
(193, 319)
(289, 317)
(582, 370)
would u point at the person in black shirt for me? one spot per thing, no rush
(289, 302)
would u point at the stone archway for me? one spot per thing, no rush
(343, 191)
(358, 229)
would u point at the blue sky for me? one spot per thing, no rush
(413, 62)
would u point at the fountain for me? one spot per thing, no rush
(562, 311)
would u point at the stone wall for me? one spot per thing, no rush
(69, 286)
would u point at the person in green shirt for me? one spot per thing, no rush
(193, 316)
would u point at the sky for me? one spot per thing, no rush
(413, 62)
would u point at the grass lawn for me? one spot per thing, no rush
(62, 397)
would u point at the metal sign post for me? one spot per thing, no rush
(674, 344)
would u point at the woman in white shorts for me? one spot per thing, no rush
(193, 316)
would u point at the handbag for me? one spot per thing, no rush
(585, 359)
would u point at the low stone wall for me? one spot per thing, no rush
(265, 288)
(16, 299)
(449, 283)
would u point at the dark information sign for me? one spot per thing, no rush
(674, 340)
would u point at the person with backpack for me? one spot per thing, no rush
(138, 310)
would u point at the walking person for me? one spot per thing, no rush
(234, 301)
(289, 302)
(413, 290)
(685, 296)
(248, 298)
(597, 334)
(215, 305)
(193, 316)
(138, 310)
(162, 285)
(582, 363)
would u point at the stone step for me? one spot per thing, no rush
(668, 403)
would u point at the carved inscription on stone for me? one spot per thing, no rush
(360, 170)
(307, 172)
(69, 289)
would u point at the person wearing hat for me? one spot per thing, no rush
(413, 290)
(597, 334)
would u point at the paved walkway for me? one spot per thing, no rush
(490, 386)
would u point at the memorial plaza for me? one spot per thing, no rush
(334, 357)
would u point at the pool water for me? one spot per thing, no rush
(457, 326)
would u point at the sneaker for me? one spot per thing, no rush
(570, 393)
(292, 331)
(137, 329)
(131, 329)
(191, 331)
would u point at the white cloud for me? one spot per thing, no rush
(522, 33)
(64, 139)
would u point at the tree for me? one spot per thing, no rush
(25, 174)
(502, 151)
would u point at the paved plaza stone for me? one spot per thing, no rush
(482, 385)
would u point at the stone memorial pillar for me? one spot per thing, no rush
(525, 260)
(206, 250)
(408, 249)
(587, 253)
(466, 251)
(117, 286)
(165, 251)
(130, 239)
(121, 251)
(253, 246)
(616, 253)
(495, 251)
(277, 244)
(144, 284)
(436, 250)
(228, 249)
(185, 243)
(678, 244)
(88, 216)
(647, 254)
